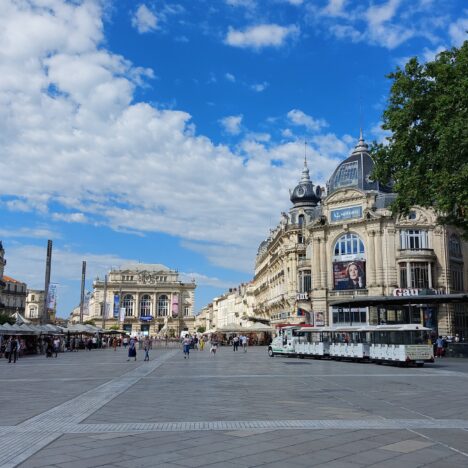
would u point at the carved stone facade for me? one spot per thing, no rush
(348, 244)
(142, 299)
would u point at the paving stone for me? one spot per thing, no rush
(96, 407)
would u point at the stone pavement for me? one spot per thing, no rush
(91, 409)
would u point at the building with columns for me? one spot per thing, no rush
(344, 243)
(35, 306)
(142, 299)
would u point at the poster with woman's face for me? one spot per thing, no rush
(349, 275)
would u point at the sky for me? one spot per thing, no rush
(171, 131)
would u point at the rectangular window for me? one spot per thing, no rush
(403, 277)
(305, 281)
(456, 276)
(414, 239)
(186, 311)
(419, 275)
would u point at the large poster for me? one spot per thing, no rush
(349, 275)
(52, 296)
(116, 305)
(86, 300)
(175, 306)
(319, 319)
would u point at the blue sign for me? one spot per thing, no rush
(351, 212)
(146, 318)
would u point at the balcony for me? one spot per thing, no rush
(348, 293)
(416, 254)
(304, 263)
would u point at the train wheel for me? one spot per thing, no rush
(271, 353)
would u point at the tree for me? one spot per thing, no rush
(6, 318)
(89, 322)
(427, 153)
(201, 329)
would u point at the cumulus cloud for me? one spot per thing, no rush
(260, 36)
(387, 24)
(144, 20)
(89, 153)
(230, 77)
(298, 117)
(232, 124)
(458, 31)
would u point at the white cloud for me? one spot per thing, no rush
(39, 233)
(70, 122)
(232, 124)
(241, 3)
(70, 217)
(458, 31)
(204, 280)
(230, 77)
(334, 8)
(262, 35)
(259, 87)
(298, 117)
(144, 20)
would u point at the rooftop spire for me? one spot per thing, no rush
(362, 146)
(305, 172)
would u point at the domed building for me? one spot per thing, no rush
(344, 259)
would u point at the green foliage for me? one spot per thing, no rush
(114, 327)
(427, 152)
(90, 322)
(6, 318)
(201, 329)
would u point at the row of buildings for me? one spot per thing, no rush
(15, 297)
(340, 257)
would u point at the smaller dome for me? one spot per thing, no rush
(304, 193)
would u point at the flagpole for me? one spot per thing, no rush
(83, 278)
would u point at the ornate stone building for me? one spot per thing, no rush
(347, 244)
(2, 269)
(35, 306)
(13, 295)
(142, 299)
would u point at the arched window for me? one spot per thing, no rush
(145, 306)
(163, 305)
(33, 312)
(349, 265)
(128, 304)
(301, 220)
(349, 244)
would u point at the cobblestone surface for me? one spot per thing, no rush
(244, 410)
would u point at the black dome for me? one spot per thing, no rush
(305, 193)
(355, 171)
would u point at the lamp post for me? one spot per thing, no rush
(104, 303)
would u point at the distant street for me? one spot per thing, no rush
(91, 409)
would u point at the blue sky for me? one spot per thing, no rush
(170, 132)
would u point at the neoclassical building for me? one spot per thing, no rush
(142, 299)
(2, 269)
(343, 243)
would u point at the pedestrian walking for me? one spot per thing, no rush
(125, 342)
(132, 352)
(186, 343)
(13, 349)
(440, 347)
(244, 342)
(56, 345)
(202, 343)
(114, 344)
(235, 343)
(147, 348)
(214, 346)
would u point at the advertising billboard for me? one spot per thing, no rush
(349, 275)
(319, 319)
(116, 305)
(175, 306)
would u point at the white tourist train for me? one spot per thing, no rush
(404, 344)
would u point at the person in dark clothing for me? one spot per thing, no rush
(13, 349)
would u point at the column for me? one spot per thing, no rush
(323, 263)
(316, 273)
(378, 257)
(390, 265)
(429, 274)
(371, 259)
(408, 275)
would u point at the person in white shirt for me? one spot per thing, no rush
(244, 342)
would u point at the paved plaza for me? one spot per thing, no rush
(91, 409)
